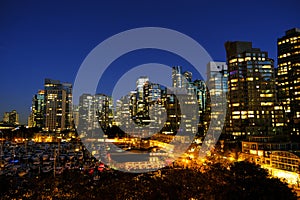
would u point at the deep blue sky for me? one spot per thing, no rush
(40, 40)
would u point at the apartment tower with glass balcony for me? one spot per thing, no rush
(251, 90)
(58, 101)
(288, 77)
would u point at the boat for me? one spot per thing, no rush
(45, 156)
(36, 162)
(62, 157)
(46, 163)
(35, 158)
(22, 173)
(68, 165)
(59, 170)
(80, 155)
(71, 155)
(47, 169)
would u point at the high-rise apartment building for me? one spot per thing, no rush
(251, 90)
(58, 106)
(288, 77)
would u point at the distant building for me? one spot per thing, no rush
(140, 95)
(251, 91)
(152, 92)
(217, 77)
(124, 109)
(141, 81)
(95, 112)
(145, 111)
(11, 117)
(197, 89)
(76, 115)
(36, 118)
(288, 77)
(177, 77)
(156, 109)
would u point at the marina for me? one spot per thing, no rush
(32, 159)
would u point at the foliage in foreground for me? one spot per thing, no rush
(240, 181)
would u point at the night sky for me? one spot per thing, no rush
(41, 40)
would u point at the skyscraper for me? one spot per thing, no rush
(125, 110)
(95, 112)
(141, 81)
(177, 81)
(58, 98)
(36, 118)
(288, 77)
(217, 77)
(140, 98)
(251, 90)
(195, 91)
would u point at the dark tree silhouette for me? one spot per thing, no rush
(240, 180)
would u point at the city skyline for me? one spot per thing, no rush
(38, 44)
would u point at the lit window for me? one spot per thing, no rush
(266, 104)
(266, 66)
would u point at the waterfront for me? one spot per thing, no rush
(66, 170)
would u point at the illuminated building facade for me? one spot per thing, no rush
(198, 87)
(124, 110)
(95, 112)
(11, 117)
(288, 77)
(36, 118)
(58, 104)
(251, 90)
(285, 160)
(217, 78)
(196, 92)
(140, 85)
(259, 148)
(145, 108)
(277, 154)
(152, 92)
(154, 108)
(177, 81)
